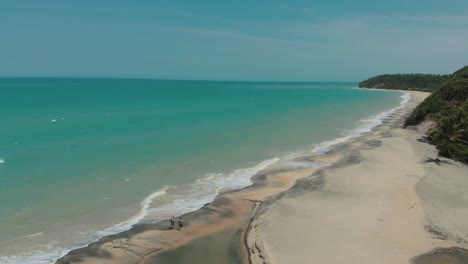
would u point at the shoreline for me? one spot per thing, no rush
(278, 179)
(356, 132)
(239, 204)
(242, 203)
(377, 206)
(229, 211)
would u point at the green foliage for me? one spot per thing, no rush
(461, 74)
(448, 107)
(416, 82)
(435, 104)
(442, 101)
(451, 135)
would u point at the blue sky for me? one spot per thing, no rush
(332, 40)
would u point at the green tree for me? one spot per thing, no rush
(451, 134)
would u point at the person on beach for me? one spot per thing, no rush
(172, 223)
(180, 223)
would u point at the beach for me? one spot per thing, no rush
(384, 202)
(86, 159)
(377, 198)
(256, 132)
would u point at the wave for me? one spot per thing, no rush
(2, 160)
(126, 225)
(366, 126)
(204, 191)
(176, 200)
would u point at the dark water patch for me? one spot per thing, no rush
(453, 255)
(221, 248)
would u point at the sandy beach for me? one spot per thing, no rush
(382, 203)
(213, 234)
(373, 199)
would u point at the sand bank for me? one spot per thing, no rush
(364, 208)
(213, 234)
(382, 203)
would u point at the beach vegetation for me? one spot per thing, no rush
(448, 107)
(413, 81)
(451, 134)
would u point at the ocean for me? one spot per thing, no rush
(85, 158)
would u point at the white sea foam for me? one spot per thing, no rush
(203, 191)
(367, 125)
(51, 255)
(126, 225)
(323, 147)
(47, 256)
(2, 160)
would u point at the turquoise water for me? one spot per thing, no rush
(81, 158)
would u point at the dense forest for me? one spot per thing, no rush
(448, 108)
(416, 81)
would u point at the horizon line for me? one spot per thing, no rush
(162, 79)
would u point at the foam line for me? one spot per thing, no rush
(367, 125)
(203, 191)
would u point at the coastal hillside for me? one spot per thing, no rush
(416, 82)
(444, 114)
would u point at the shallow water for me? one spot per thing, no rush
(221, 248)
(82, 158)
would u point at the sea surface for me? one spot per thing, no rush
(84, 158)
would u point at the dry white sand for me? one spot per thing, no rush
(370, 212)
(366, 211)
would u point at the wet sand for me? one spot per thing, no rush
(363, 208)
(213, 234)
(382, 203)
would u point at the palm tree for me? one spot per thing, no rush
(452, 129)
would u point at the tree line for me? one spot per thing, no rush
(413, 81)
(446, 107)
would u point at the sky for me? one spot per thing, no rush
(252, 40)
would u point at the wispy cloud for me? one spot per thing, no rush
(296, 40)
(452, 20)
(258, 37)
(370, 26)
